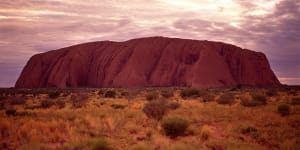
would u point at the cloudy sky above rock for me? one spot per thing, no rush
(28, 27)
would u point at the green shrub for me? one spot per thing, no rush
(284, 109)
(167, 93)
(259, 98)
(47, 103)
(227, 98)
(189, 92)
(110, 94)
(152, 96)
(11, 112)
(54, 94)
(174, 126)
(155, 109)
(295, 101)
(101, 144)
(173, 105)
(118, 106)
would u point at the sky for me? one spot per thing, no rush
(28, 27)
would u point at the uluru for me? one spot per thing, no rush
(148, 62)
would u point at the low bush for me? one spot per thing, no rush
(284, 109)
(101, 92)
(79, 99)
(167, 93)
(31, 106)
(101, 144)
(2, 106)
(174, 126)
(271, 92)
(18, 100)
(25, 113)
(295, 101)
(152, 96)
(259, 98)
(65, 94)
(247, 102)
(54, 94)
(189, 92)
(251, 131)
(205, 133)
(3, 97)
(155, 109)
(34, 146)
(47, 103)
(13, 112)
(192, 130)
(227, 98)
(207, 97)
(142, 147)
(292, 92)
(182, 146)
(118, 106)
(60, 104)
(173, 105)
(110, 94)
(10, 112)
(124, 93)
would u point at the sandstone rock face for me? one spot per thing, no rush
(148, 62)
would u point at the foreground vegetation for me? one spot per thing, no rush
(150, 119)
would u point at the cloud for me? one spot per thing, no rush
(35, 26)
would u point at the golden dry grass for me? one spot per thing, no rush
(212, 125)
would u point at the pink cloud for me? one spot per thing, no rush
(30, 27)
